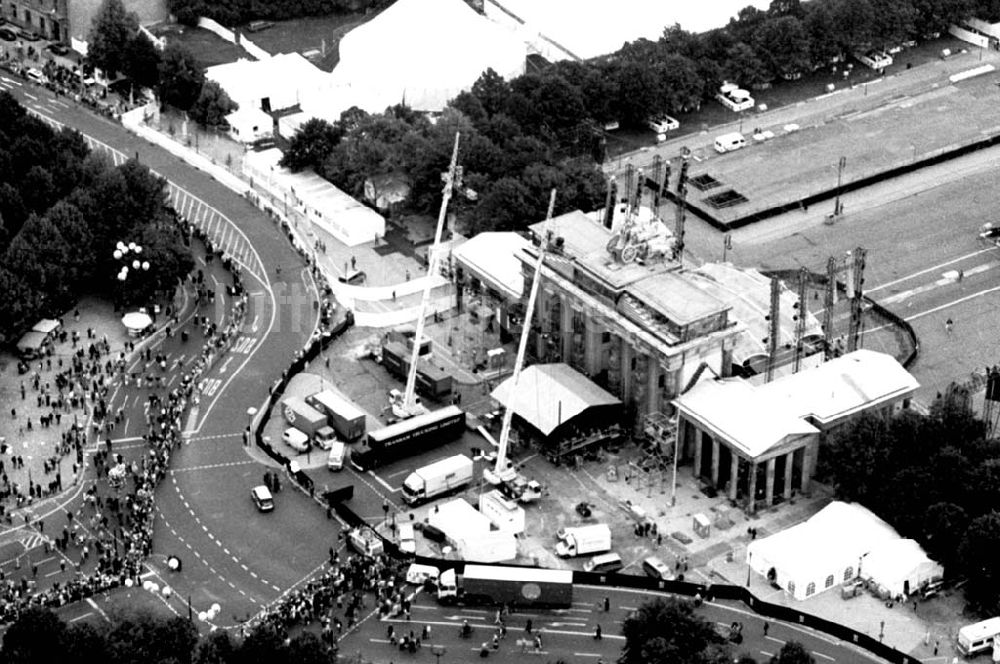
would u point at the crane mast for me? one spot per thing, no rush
(501, 473)
(450, 178)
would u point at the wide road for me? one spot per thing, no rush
(568, 634)
(233, 556)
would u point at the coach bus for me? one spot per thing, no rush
(409, 437)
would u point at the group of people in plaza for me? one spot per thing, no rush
(115, 526)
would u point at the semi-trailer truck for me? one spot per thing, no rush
(409, 437)
(514, 586)
(437, 479)
(584, 540)
(346, 419)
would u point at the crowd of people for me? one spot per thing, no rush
(119, 528)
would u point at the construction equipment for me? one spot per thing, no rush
(503, 474)
(408, 406)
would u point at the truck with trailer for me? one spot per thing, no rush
(584, 540)
(515, 586)
(432, 381)
(308, 420)
(346, 419)
(409, 437)
(437, 479)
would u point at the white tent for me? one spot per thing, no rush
(822, 552)
(423, 52)
(249, 124)
(900, 566)
(279, 82)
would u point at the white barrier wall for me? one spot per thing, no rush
(973, 38)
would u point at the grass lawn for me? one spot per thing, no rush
(321, 33)
(208, 48)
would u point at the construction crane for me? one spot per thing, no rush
(503, 472)
(407, 405)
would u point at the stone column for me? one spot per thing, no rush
(652, 384)
(789, 462)
(769, 481)
(684, 428)
(592, 344)
(626, 362)
(752, 488)
(734, 473)
(808, 455)
(566, 327)
(715, 463)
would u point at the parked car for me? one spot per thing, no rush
(656, 568)
(7, 35)
(262, 498)
(58, 49)
(28, 35)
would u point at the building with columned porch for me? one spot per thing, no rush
(760, 443)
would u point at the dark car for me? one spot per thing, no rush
(7, 34)
(58, 49)
(28, 35)
(433, 533)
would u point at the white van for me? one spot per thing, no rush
(604, 563)
(338, 453)
(407, 539)
(729, 142)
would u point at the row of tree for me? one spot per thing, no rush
(936, 479)
(62, 210)
(40, 637)
(238, 12)
(117, 46)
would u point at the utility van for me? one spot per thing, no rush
(730, 142)
(335, 459)
(978, 637)
(604, 563)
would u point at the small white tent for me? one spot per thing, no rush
(423, 52)
(900, 567)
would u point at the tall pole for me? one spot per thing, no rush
(773, 327)
(508, 413)
(837, 209)
(432, 269)
(681, 205)
(829, 302)
(857, 299)
(800, 321)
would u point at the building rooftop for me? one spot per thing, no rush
(493, 259)
(678, 297)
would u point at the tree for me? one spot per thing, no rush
(637, 92)
(507, 205)
(181, 78)
(793, 652)
(976, 558)
(38, 636)
(944, 525)
(140, 637)
(783, 45)
(311, 145)
(306, 648)
(492, 91)
(666, 631)
(212, 106)
(141, 61)
(744, 68)
(937, 15)
(820, 25)
(216, 648)
(853, 23)
(112, 30)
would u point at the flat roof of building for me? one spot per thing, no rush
(677, 296)
(493, 258)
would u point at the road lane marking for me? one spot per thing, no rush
(819, 654)
(78, 618)
(588, 654)
(93, 604)
(946, 305)
(926, 270)
(950, 277)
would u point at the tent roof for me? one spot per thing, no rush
(741, 414)
(253, 79)
(46, 326)
(493, 258)
(833, 538)
(842, 386)
(32, 340)
(424, 52)
(891, 561)
(548, 395)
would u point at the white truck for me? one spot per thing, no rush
(365, 542)
(584, 540)
(437, 479)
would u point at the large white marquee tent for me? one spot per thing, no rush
(423, 52)
(837, 544)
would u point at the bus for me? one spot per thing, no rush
(409, 437)
(978, 637)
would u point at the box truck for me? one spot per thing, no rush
(346, 419)
(437, 479)
(432, 381)
(514, 586)
(584, 540)
(309, 421)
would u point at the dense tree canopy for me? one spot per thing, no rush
(181, 78)
(112, 30)
(934, 477)
(212, 106)
(667, 631)
(63, 210)
(234, 12)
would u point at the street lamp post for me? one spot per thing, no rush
(749, 559)
(837, 209)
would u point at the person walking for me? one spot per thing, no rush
(767, 626)
(948, 324)
(597, 634)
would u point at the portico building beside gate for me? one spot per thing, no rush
(760, 443)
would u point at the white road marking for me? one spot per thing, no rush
(950, 304)
(933, 268)
(819, 654)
